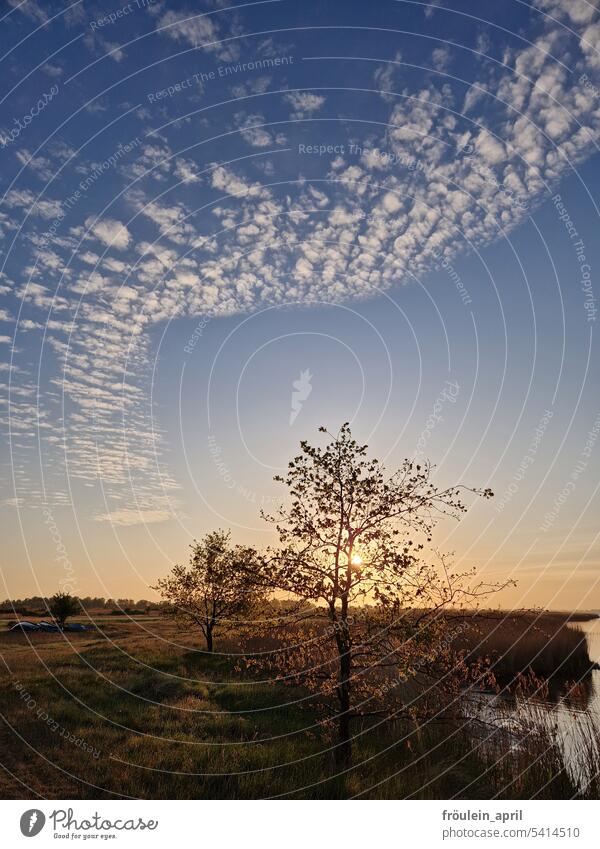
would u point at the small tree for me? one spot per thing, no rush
(352, 545)
(218, 586)
(62, 605)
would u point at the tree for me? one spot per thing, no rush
(218, 586)
(352, 544)
(63, 605)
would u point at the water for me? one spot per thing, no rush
(592, 632)
(570, 720)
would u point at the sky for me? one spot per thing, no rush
(226, 225)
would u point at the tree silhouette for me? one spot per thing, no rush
(218, 586)
(352, 544)
(62, 605)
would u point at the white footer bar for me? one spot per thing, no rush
(299, 824)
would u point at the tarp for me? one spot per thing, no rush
(48, 627)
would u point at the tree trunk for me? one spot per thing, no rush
(209, 639)
(344, 747)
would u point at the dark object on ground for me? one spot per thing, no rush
(46, 627)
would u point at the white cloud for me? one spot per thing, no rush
(40, 165)
(186, 171)
(490, 148)
(590, 45)
(26, 200)
(441, 58)
(430, 8)
(391, 202)
(304, 103)
(110, 232)
(384, 77)
(96, 43)
(200, 30)
(253, 131)
(52, 70)
(577, 11)
(30, 9)
(128, 517)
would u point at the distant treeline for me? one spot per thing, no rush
(38, 603)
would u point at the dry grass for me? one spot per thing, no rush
(156, 718)
(549, 644)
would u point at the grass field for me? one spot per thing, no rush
(135, 709)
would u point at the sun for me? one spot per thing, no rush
(356, 560)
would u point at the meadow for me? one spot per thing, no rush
(135, 708)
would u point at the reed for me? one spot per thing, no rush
(549, 645)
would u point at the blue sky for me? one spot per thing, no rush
(226, 225)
